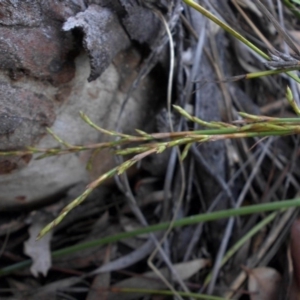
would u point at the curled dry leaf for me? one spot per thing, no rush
(263, 283)
(39, 251)
(99, 25)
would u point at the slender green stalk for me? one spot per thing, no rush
(271, 72)
(238, 36)
(264, 129)
(292, 102)
(242, 241)
(208, 217)
(252, 126)
(292, 8)
(226, 27)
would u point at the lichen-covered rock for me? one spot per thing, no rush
(44, 72)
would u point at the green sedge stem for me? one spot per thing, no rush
(270, 72)
(234, 33)
(242, 241)
(207, 217)
(293, 9)
(226, 27)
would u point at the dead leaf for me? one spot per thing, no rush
(100, 281)
(263, 283)
(128, 260)
(295, 248)
(295, 34)
(150, 280)
(99, 25)
(39, 251)
(18, 288)
(50, 291)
